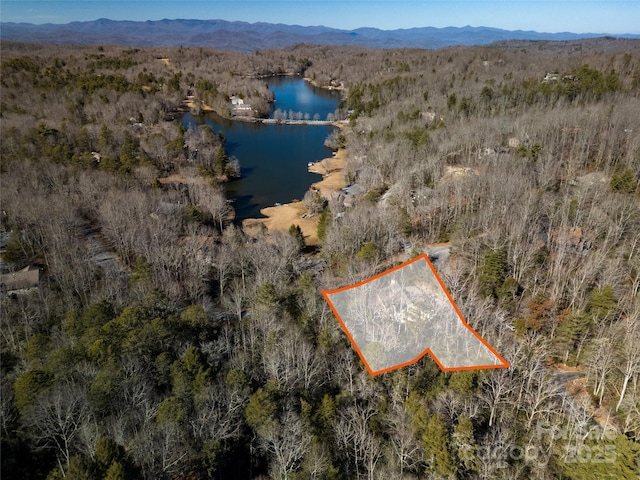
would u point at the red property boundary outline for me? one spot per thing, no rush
(326, 293)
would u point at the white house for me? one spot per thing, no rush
(236, 101)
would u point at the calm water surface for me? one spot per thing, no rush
(274, 158)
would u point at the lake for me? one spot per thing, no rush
(274, 158)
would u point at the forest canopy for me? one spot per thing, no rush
(145, 335)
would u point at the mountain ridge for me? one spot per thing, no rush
(249, 37)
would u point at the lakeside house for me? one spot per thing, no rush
(236, 101)
(238, 105)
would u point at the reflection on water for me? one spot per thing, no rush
(274, 158)
(296, 95)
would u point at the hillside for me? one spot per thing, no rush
(144, 335)
(249, 37)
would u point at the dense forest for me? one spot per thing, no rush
(145, 335)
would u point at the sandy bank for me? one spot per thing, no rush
(281, 217)
(332, 170)
(190, 104)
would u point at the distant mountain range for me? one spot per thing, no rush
(249, 37)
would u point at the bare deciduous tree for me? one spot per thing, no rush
(56, 420)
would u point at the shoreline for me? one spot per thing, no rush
(188, 104)
(273, 121)
(326, 87)
(332, 171)
(281, 217)
(304, 122)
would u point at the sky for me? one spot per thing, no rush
(577, 16)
